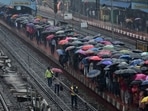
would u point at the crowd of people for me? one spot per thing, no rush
(114, 68)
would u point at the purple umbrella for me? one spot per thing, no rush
(80, 51)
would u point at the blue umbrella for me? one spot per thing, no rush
(144, 83)
(98, 39)
(60, 52)
(127, 57)
(136, 62)
(93, 73)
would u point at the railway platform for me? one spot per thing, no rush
(110, 98)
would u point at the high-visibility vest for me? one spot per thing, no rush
(74, 91)
(48, 74)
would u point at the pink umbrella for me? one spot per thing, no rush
(106, 42)
(86, 47)
(49, 37)
(56, 70)
(146, 78)
(140, 77)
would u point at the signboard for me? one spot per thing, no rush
(139, 6)
(68, 16)
(84, 25)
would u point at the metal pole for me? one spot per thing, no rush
(112, 27)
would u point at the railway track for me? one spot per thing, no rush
(35, 66)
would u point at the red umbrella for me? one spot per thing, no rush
(86, 47)
(62, 42)
(49, 37)
(140, 77)
(56, 70)
(95, 58)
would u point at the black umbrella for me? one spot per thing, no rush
(125, 72)
(136, 82)
(137, 51)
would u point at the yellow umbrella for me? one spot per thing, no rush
(144, 100)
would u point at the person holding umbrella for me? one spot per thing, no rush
(53, 45)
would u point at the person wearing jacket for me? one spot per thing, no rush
(48, 75)
(74, 92)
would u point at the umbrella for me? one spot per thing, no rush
(123, 65)
(70, 48)
(60, 32)
(95, 58)
(144, 83)
(80, 51)
(136, 62)
(56, 70)
(76, 42)
(125, 51)
(137, 51)
(137, 18)
(62, 42)
(146, 62)
(144, 53)
(106, 42)
(108, 47)
(98, 39)
(93, 73)
(136, 82)
(125, 71)
(60, 52)
(144, 99)
(127, 57)
(136, 68)
(104, 53)
(89, 52)
(49, 37)
(118, 43)
(115, 60)
(105, 62)
(86, 47)
(140, 77)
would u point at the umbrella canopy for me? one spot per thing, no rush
(60, 52)
(144, 83)
(125, 72)
(117, 43)
(103, 53)
(125, 51)
(144, 53)
(49, 37)
(70, 48)
(80, 51)
(105, 62)
(56, 70)
(137, 51)
(86, 47)
(95, 58)
(136, 82)
(106, 42)
(76, 42)
(136, 62)
(125, 56)
(123, 65)
(144, 100)
(62, 42)
(93, 73)
(108, 47)
(140, 77)
(98, 39)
